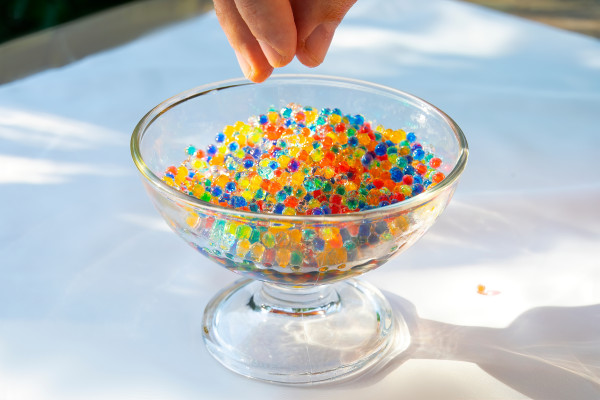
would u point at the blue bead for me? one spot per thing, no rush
(384, 203)
(211, 149)
(416, 146)
(318, 244)
(293, 165)
(230, 187)
(417, 188)
(366, 159)
(426, 182)
(345, 234)
(273, 165)
(364, 230)
(263, 119)
(381, 226)
(353, 141)
(225, 198)
(233, 146)
(326, 209)
(411, 137)
(396, 174)
(248, 164)
(359, 119)
(418, 154)
(217, 191)
(373, 239)
(381, 149)
(317, 211)
(239, 201)
(253, 207)
(417, 179)
(278, 209)
(409, 170)
(220, 138)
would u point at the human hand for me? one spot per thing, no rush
(267, 34)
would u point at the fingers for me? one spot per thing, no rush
(316, 22)
(272, 24)
(251, 58)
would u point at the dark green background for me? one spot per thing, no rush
(19, 17)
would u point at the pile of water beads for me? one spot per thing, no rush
(300, 161)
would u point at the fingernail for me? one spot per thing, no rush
(273, 56)
(244, 65)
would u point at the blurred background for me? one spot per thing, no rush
(36, 35)
(21, 17)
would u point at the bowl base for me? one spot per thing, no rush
(301, 335)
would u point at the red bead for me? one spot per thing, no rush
(378, 183)
(421, 169)
(435, 162)
(407, 179)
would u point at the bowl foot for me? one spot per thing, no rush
(301, 335)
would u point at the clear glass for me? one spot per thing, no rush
(300, 316)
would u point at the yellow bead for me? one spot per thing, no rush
(289, 211)
(242, 248)
(248, 195)
(198, 190)
(316, 155)
(335, 119)
(255, 182)
(244, 182)
(192, 220)
(313, 203)
(282, 257)
(272, 116)
(228, 131)
(283, 161)
(297, 178)
(238, 126)
(310, 116)
(256, 251)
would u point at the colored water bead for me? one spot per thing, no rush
(435, 162)
(300, 161)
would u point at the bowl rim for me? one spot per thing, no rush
(161, 186)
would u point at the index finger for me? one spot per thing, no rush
(272, 24)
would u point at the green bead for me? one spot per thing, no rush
(308, 234)
(205, 197)
(254, 236)
(401, 162)
(243, 232)
(352, 204)
(268, 239)
(296, 258)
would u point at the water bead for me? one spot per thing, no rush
(296, 161)
(435, 162)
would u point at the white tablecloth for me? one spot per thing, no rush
(99, 300)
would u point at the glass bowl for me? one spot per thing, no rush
(299, 316)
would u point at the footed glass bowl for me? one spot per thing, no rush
(299, 316)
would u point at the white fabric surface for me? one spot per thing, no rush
(99, 300)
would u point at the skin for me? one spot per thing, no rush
(268, 34)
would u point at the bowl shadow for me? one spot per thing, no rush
(545, 353)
